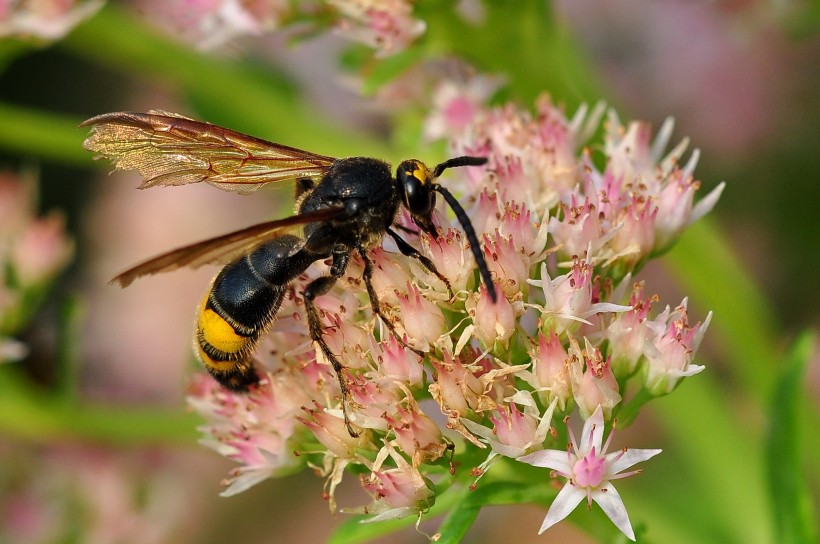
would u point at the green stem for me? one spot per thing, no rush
(629, 411)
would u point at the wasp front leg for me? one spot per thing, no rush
(409, 251)
(376, 305)
(317, 288)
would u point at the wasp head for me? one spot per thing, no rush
(418, 186)
(415, 182)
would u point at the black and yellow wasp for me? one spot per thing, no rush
(342, 205)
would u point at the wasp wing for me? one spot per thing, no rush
(224, 249)
(169, 149)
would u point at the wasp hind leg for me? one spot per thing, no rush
(317, 288)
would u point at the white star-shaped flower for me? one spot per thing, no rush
(589, 471)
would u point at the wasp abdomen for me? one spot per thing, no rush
(241, 304)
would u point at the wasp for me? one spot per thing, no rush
(342, 206)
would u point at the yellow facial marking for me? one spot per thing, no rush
(219, 333)
(421, 173)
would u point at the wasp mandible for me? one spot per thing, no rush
(342, 206)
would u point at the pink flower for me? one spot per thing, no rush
(330, 429)
(527, 236)
(212, 24)
(16, 203)
(397, 492)
(508, 267)
(41, 251)
(45, 19)
(494, 321)
(373, 396)
(515, 432)
(589, 471)
(457, 389)
(627, 332)
(513, 427)
(416, 434)
(398, 363)
(386, 25)
(580, 229)
(644, 168)
(389, 275)
(254, 430)
(550, 373)
(456, 104)
(569, 298)
(451, 255)
(422, 320)
(593, 383)
(634, 238)
(671, 349)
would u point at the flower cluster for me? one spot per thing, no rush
(44, 19)
(32, 252)
(386, 26)
(562, 231)
(211, 24)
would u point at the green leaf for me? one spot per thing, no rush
(794, 516)
(33, 133)
(465, 511)
(11, 48)
(32, 413)
(353, 531)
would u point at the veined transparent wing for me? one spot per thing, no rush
(170, 149)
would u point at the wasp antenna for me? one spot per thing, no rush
(458, 161)
(469, 231)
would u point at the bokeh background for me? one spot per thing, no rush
(94, 438)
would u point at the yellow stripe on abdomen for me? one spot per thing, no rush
(219, 334)
(212, 365)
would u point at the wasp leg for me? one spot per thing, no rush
(376, 305)
(317, 288)
(409, 251)
(408, 230)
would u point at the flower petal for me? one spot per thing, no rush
(618, 461)
(554, 459)
(612, 505)
(565, 502)
(593, 433)
(706, 203)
